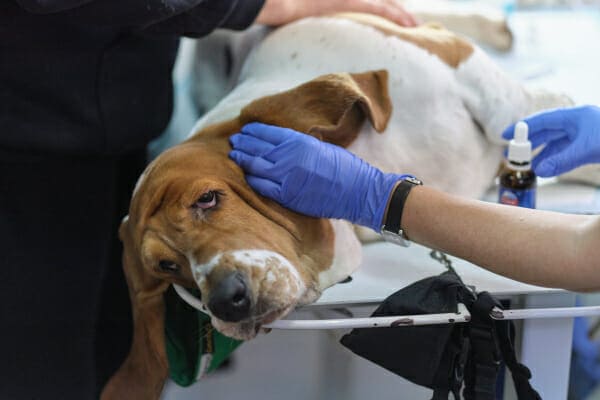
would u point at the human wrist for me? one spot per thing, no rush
(388, 187)
(392, 225)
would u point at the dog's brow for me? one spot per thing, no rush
(168, 242)
(165, 239)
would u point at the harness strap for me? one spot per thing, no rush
(440, 394)
(520, 373)
(504, 333)
(484, 361)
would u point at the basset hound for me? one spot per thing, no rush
(410, 100)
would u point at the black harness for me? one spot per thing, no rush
(448, 357)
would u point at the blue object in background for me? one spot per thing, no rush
(585, 361)
(185, 113)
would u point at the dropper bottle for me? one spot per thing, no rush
(518, 181)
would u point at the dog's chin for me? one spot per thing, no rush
(249, 328)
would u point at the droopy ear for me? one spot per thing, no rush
(145, 370)
(331, 107)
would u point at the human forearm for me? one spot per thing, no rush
(538, 247)
(279, 12)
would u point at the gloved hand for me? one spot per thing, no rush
(571, 136)
(312, 177)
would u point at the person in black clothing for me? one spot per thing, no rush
(84, 86)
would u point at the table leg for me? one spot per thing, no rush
(546, 346)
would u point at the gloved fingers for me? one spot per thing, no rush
(265, 187)
(585, 113)
(564, 161)
(509, 132)
(596, 371)
(543, 137)
(547, 120)
(538, 132)
(548, 151)
(546, 136)
(253, 165)
(558, 160)
(250, 145)
(269, 133)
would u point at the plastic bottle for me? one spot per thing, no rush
(518, 181)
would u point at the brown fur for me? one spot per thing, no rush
(449, 47)
(332, 107)
(162, 223)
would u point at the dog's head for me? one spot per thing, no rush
(194, 220)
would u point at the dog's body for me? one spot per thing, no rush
(438, 126)
(437, 112)
(219, 57)
(436, 88)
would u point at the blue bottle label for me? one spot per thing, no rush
(515, 197)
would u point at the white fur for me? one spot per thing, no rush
(262, 259)
(201, 271)
(347, 255)
(251, 258)
(265, 269)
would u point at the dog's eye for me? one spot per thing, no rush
(207, 200)
(168, 266)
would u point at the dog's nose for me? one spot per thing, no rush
(230, 299)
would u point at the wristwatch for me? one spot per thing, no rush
(391, 229)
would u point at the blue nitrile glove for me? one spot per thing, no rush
(571, 135)
(312, 177)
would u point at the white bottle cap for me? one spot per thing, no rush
(519, 148)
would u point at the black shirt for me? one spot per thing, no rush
(94, 76)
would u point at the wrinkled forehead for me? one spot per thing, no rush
(177, 170)
(191, 158)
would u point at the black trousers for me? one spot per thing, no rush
(65, 319)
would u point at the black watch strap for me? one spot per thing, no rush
(391, 229)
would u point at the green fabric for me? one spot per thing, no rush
(194, 347)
